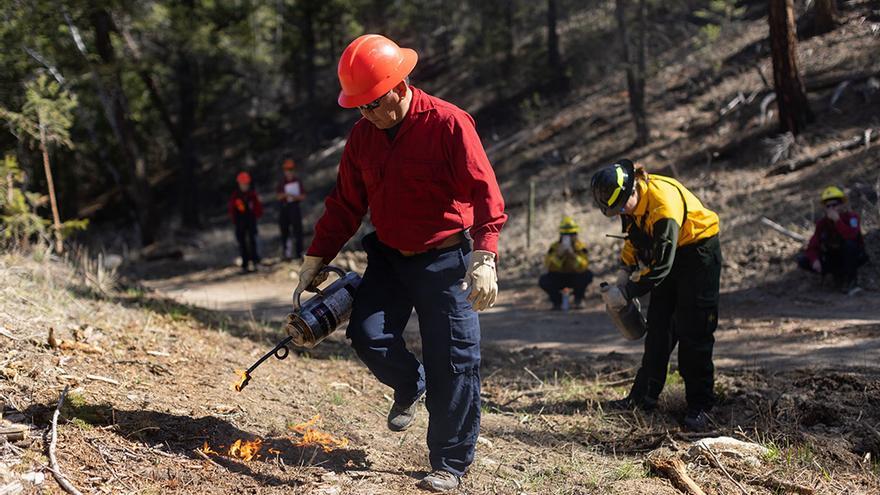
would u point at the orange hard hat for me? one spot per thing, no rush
(243, 178)
(371, 66)
(289, 164)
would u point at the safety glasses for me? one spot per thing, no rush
(832, 204)
(373, 104)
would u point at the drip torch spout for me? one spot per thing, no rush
(280, 351)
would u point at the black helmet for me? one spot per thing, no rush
(612, 186)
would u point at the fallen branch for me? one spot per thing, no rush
(13, 488)
(782, 230)
(102, 379)
(618, 383)
(674, 469)
(863, 139)
(776, 484)
(205, 457)
(14, 433)
(715, 461)
(53, 462)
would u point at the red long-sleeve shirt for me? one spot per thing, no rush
(244, 203)
(847, 227)
(431, 181)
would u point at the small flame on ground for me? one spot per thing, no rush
(242, 380)
(314, 436)
(208, 450)
(245, 450)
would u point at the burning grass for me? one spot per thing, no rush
(245, 450)
(312, 436)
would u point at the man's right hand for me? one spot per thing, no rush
(310, 277)
(817, 266)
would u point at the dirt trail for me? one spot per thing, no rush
(758, 329)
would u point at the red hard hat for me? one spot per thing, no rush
(289, 164)
(371, 66)
(243, 178)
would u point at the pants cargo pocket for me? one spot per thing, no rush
(464, 343)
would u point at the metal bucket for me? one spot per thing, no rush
(325, 312)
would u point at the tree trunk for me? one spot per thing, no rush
(118, 115)
(825, 16)
(56, 217)
(635, 70)
(791, 98)
(188, 95)
(553, 57)
(189, 161)
(507, 69)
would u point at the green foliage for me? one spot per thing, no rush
(47, 114)
(19, 222)
(717, 14)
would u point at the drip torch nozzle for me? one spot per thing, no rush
(280, 351)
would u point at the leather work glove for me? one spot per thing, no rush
(482, 280)
(613, 297)
(309, 277)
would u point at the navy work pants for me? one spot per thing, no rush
(449, 373)
(246, 235)
(554, 282)
(290, 222)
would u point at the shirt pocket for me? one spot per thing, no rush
(423, 170)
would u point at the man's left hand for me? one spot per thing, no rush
(482, 280)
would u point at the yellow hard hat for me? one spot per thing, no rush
(833, 192)
(568, 226)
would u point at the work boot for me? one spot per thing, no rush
(401, 417)
(697, 421)
(628, 404)
(440, 481)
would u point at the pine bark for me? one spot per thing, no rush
(791, 97)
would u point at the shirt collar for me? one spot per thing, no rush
(642, 206)
(421, 102)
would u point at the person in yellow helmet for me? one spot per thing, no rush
(837, 246)
(672, 245)
(566, 262)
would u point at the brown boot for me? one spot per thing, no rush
(440, 481)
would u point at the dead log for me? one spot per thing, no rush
(14, 433)
(782, 230)
(778, 485)
(674, 469)
(802, 163)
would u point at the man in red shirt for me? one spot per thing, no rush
(417, 164)
(290, 193)
(244, 210)
(837, 246)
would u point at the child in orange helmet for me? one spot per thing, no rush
(244, 210)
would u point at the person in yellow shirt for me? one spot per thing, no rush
(671, 251)
(566, 262)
